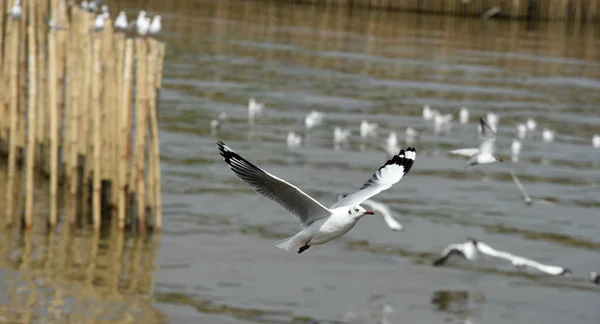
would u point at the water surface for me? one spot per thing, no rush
(217, 262)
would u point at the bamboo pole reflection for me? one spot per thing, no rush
(78, 275)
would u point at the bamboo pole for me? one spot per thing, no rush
(150, 84)
(42, 7)
(96, 106)
(141, 124)
(155, 145)
(31, 112)
(119, 47)
(13, 34)
(53, 109)
(125, 132)
(76, 65)
(21, 77)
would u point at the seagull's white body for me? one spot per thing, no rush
(340, 135)
(428, 112)
(368, 129)
(99, 22)
(531, 124)
(515, 149)
(548, 135)
(16, 11)
(485, 153)
(155, 25)
(595, 277)
(596, 141)
(463, 116)
(121, 21)
(521, 131)
(314, 118)
(492, 120)
(254, 109)
(142, 24)
(293, 140)
(320, 224)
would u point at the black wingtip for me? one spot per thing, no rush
(439, 261)
(566, 272)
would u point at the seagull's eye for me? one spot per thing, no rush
(356, 210)
(349, 212)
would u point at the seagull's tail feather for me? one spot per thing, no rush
(287, 244)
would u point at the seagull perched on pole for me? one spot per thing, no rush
(320, 224)
(485, 153)
(16, 11)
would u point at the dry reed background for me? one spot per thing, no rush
(69, 101)
(572, 10)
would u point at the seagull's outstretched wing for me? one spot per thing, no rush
(517, 260)
(488, 137)
(468, 152)
(387, 175)
(287, 195)
(450, 250)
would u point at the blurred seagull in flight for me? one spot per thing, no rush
(521, 131)
(485, 153)
(595, 277)
(515, 150)
(293, 140)
(340, 135)
(469, 250)
(428, 112)
(381, 208)
(492, 120)
(368, 129)
(531, 124)
(320, 224)
(254, 109)
(596, 141)
(463, 115)
(314, 118)
(548, 135)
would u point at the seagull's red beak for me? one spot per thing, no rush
(369, 212)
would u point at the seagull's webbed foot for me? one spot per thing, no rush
(303, 248)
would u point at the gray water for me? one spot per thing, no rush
(217, 262)
(218, 243)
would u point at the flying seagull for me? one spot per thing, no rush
(320, 224)
(485, 153)
(379, 207)
(595, 277)
(470, 249)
